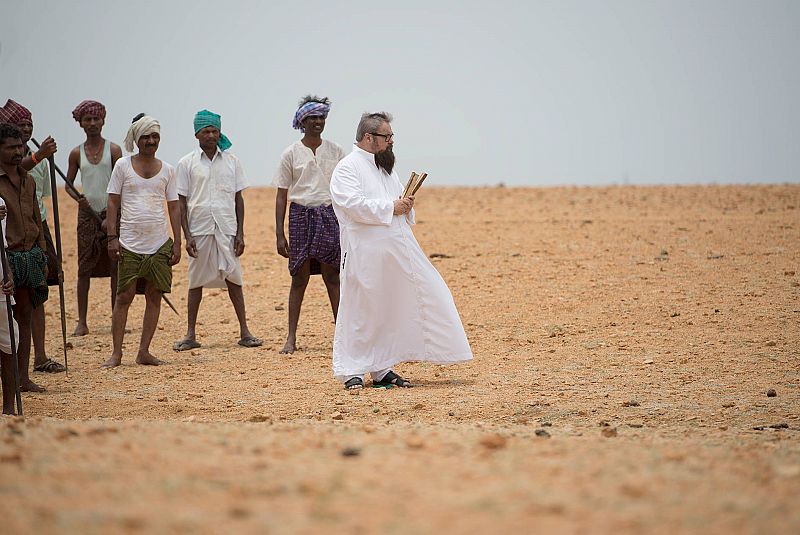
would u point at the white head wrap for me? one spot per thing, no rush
(142, 127)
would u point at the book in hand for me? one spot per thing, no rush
(413, 185)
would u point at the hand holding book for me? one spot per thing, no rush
(413, 185)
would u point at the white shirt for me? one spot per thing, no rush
(307, 175)
(394, 306)
(210, 188)
(143, 224)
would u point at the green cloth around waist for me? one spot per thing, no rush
(28, 268)
(152, 267)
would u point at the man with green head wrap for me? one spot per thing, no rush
(210, 182)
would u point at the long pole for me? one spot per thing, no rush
(60, 256)
(10, 312)
(97, 217)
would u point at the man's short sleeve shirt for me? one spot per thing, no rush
(306, 175)
(210, 187)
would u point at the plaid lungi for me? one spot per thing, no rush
(28, 268)
(313, 235)
(93, 257)
(52, 257)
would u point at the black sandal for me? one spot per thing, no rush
(354, 383)
(392, 379)
(49, 366)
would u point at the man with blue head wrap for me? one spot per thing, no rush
(303, 178)
(210, 184)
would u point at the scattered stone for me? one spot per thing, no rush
(493, 441)
(278, 307)
(781, 425)
(715, 256)
(771, 393)
(259, 418)
(663, 257)
(376, 410)
(609, 432)
(603, 423)
(11, 457)
(790, 470)
(674, 314)
(239, 512)
(729, 404)
(546, 424)
(771, 343)
(648, 361)
(542, 433)
(631, 403)
(415, 442)
(451, 413)
(418, 406)
(635, 425)
(337, 416)
(439, 255)
(194, 395)
(70, 346)
(351, 452)
(101, 431)
(65, 432)
(162, 399)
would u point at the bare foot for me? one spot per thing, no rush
(112, 362)
(144, 357)
(289, 347)
(30, 386)
(81, 329)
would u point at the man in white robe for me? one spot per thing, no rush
(394, 306)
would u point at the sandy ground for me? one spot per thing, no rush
(624, 339)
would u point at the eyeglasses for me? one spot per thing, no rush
(388, 137)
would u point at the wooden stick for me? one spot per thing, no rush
(60, 257)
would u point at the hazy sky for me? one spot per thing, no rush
(525, 93)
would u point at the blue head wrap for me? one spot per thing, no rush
(307, 110)
(205, 118)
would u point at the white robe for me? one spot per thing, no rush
(394, 306)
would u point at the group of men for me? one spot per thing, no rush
(347, 222)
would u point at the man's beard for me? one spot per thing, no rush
(385, 160)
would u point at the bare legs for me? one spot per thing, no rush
(150, 321)
(37, 332)
(330, 275)
(82, 328)
(193, 305)
(7, 378)
(22, 313)
(84, 283)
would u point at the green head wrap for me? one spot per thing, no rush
(205, 118)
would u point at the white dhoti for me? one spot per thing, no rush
(5, 336)
(216, 262)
